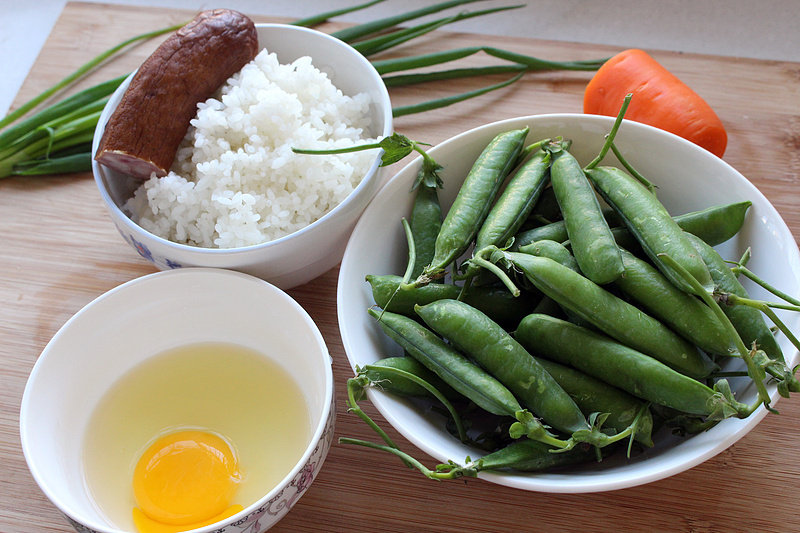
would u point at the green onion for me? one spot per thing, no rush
(450, 100)
(425, 77)
(390, 40)
(83, 69)
(355, 32)
(387, 66)
(76, 101)
(58, 165)
(323, 17)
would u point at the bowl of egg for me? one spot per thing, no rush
(235, 195)
(194, 399)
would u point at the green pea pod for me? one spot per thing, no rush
(395, 384)
(591, 240)
(447, 363)
(623, 367)
(476, 335)
(555, 231)
(684, 313)
(748, 321)
(612, 315)
(648, 220)
(496, 302)
(595, 396)
(425, 222)
(527, 455)
(714, 225)
(559, 253)
(515, 203)
(474, 199)
(554, 250)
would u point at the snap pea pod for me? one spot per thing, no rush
(523, 455)
(684, 313)
(610, 314)
(559, 253)
(425, 222)
(591, 240)
(391, 382)
(473, 201)
(648, 220)
(514, 204)
(595, 396)
(554, 250)
(476, 335)
(496, 302)
(624, 367)
(714, 225)
(454, 368)
(749, 322)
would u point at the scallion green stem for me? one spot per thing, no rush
(390, 40)
(362, 30)
(57, 165)
(388, 66)
(449, 100)
(81, 71)
(425, 77)
(324, 17)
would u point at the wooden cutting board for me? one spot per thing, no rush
(60, 251)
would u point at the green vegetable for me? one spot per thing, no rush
(591, 240)
(474, 199)
(456, 370)
(610, 314)
(625, 368)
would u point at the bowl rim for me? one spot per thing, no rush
(385, 109)
(521, 480)
(133, 285)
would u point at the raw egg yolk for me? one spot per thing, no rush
(183, 481)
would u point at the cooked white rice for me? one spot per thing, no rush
(235, 180)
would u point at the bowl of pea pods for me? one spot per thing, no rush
(567, 303)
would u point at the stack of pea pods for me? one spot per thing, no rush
(627, 330)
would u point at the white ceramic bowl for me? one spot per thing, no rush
(307, 253)
(689, 178)
(140, 319)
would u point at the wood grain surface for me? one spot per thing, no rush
(60, 251)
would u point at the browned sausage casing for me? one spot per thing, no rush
(143, 134)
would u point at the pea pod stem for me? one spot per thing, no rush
(612, 134)
(609, 144)
(427, 472)
(755, 373)
(462, 434)
(355, 386)
(478, 260)
(743, 270)
(766, 308)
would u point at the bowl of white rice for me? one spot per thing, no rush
(237, 196)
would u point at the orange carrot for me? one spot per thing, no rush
(660, 99)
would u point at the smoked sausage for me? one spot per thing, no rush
(143, 134)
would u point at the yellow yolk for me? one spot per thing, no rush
(183, 481)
